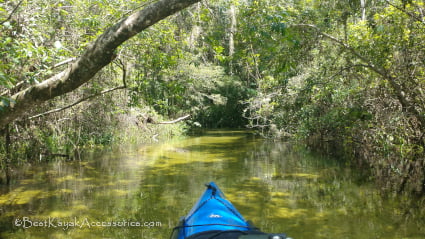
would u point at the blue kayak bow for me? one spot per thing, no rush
(213, 216)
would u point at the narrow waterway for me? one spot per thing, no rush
(141, 192)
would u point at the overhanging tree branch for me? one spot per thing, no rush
(76, 103)
(96, 56)
(124, 76)
(21, 83)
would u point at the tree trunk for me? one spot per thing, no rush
(232, 31)
(363, 9)
(96, 56)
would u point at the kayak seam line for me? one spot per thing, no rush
(186, 219)
(230, 209)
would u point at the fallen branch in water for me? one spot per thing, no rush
(175, 121)
(54, 155)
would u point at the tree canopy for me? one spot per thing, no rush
(94, 58)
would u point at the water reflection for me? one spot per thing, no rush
(282, 188)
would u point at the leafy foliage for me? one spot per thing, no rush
(357, 82)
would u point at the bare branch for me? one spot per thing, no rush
(124, 75)
(376, 69)
(65, 62)
(11, 14)
(124, 71)
(175, 121)
(76, 103)
(415, 17)
(13, 89)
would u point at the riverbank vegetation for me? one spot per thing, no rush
(343, 76)
(347, 76)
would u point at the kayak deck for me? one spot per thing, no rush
(213, 216)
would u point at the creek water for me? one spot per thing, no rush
(140, 192)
